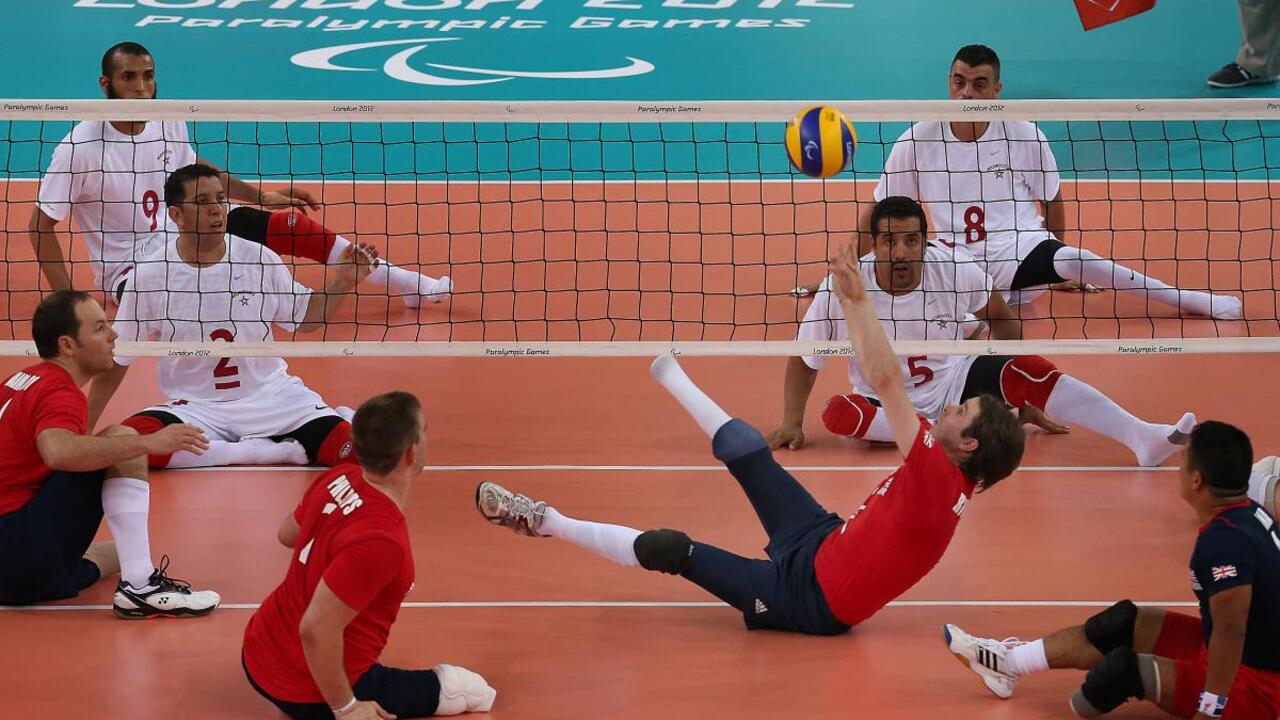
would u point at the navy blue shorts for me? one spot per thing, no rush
(403, 693)
(42, 543)
(781, 593)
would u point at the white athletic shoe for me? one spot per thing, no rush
(1263, 481)
(166, 597)
(462, 691)
(502, 507)
(983, 656)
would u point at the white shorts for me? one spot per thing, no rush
(274, 410)
(1002, 254)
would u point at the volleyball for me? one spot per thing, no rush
(820, 141)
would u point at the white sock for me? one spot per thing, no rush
(462, 691)
(249, 451)
(703, 409)
(879, 430)
(1087, 267)
(1077, 403)
(1026, 658)
(126, 503)
(386, 275)
(612, 542)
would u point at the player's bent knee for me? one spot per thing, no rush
(123, 429)
(1112, 628)
(665, 551)
(462, 691)
(1109, 684)
(336, 447)
(849, 415)
(735, 439)
(1028, 380)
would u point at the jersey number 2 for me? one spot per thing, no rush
(224, 368)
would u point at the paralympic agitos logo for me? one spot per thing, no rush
(398, 66)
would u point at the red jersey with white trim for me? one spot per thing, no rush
(355, 539)
(31, 401)
(898, 534)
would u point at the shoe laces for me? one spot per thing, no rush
(161, 580)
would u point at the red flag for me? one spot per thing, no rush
(1096, 13)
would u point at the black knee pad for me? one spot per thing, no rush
(1113, 627)
(1113, 681)
(663, 550)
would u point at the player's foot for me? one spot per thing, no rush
(1218, 307)
(462, 690)
(434, 291)
(163, 597)
(984, 657)
(502, 507)
(1158, 442)
(1233, 76)
(1263, 481)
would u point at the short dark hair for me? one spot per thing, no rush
(55, 317)
(383, 428)
(1000, 443)
(898, 207)
(976, 55)
(124, 48)
(1222, 454)
(175, 186)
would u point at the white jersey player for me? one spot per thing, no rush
(923, 292)
(208, 286)
(985, 185)
(108, 178)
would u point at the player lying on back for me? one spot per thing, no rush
(210, 286)
(823, 576)
(1224, 663)
(920, 292)
(108, 179)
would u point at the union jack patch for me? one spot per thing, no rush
(1222, 572)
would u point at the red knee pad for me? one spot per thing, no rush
(145, 425)
(294, 234)
(1028, 380)
(336, 448)
(849, 415)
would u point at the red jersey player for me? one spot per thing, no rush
(57, 481)
(823, 575)
(312, 648)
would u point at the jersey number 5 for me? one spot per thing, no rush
(224, 368)
(919, 371)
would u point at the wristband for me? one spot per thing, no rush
(1212, 705)
(339, 712)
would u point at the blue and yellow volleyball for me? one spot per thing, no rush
(820, 142)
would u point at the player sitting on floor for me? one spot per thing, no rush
(984, 182)
(210, 286)
(312, 648)
(1225, 663)
(108, 178)
(919, 292)
(822, 576)
(57, 481)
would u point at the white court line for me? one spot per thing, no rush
(654, 604)
(663, 468)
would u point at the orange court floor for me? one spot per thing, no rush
(562, 633)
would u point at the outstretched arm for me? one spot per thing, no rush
(43, 233)
(796, 389)
(875, 356)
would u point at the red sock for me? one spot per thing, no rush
(145, 425)
(292, 233)
(336, 448)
